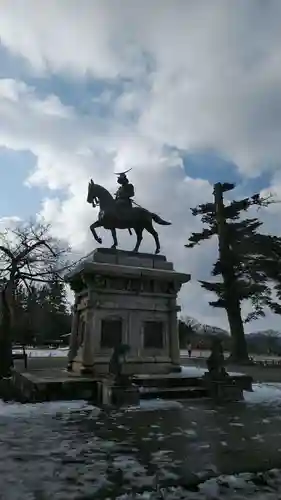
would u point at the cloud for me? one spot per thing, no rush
(72, 36)
(182, 75)
(211, 69)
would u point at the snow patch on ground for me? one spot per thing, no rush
(114, 458)
(156, 404)
(44, 353)
(260, 486)
(191, 371)
(266, 394)
(195, 371)
(52, 408)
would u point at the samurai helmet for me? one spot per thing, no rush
(122, 175)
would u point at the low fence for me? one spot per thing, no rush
(267, 363)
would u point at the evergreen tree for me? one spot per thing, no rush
(54, 318)
(41, 313)
(247, 267)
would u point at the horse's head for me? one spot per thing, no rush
(91, 197)
(98, 195)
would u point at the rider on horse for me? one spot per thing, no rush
(119, 213)
(125, 192)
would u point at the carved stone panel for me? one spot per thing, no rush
(99, 281)
(153, 335)
(148, 286)
(135, 285)
(111, 333)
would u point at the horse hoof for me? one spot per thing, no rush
(157, 251)
(114, 246)
(99, 240)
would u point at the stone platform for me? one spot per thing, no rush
(55, 384)
(125, 298)
(52, 385)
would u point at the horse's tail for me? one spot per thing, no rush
(158, 220)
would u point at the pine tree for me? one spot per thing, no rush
(247, 265)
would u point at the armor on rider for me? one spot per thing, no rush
(125, 192)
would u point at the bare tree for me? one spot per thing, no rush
(28, 255)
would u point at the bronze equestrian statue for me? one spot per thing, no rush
(119, 213)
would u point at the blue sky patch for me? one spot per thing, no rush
(212, 167)
(15, 197)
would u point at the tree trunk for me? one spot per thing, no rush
(239, 353)
(6, 357)
(239, 348)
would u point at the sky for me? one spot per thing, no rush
(185, 93)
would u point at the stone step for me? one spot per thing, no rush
(173, 392)
(168, 381)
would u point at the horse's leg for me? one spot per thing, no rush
(138, 231)
(150, 229)
(93, 230)
(114, 236)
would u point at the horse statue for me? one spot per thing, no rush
(112, 216)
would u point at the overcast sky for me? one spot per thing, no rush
(186, 92)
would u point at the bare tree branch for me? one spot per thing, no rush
(7, 252)
(29, 252)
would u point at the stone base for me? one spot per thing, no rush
(176, 368)
(117, 395)
(79, 368)
(56, 384)
(137, 367)
(125, 298)
(225, 391)
(121, 396)
(86, 370)
(104, 392)
(129, 368)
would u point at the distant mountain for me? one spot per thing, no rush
(267, 333)
(203, 329)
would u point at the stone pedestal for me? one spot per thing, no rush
(224, 391)
(110, 394)
(121, 396)
(128, 298)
